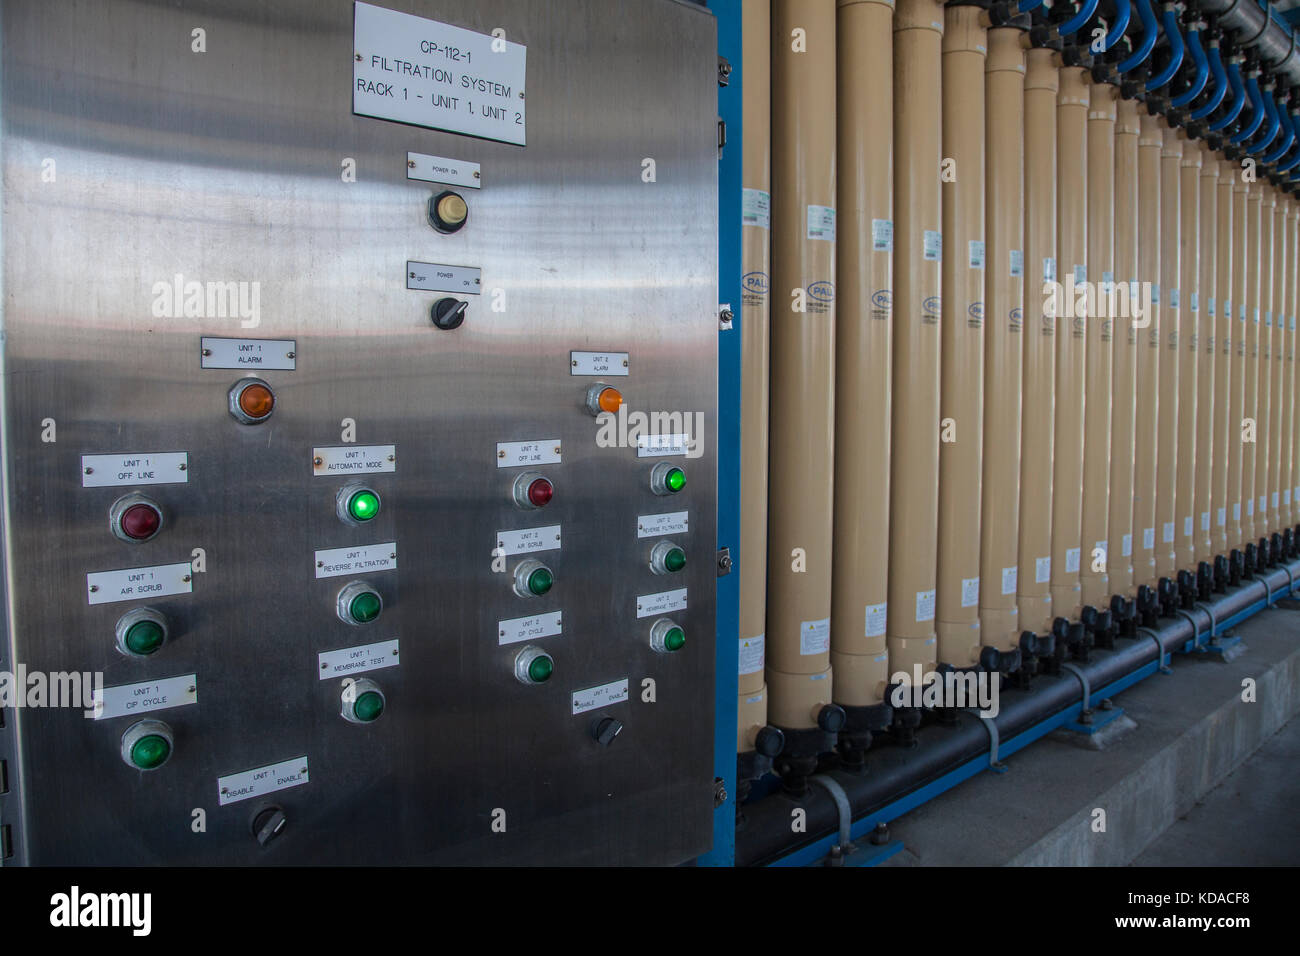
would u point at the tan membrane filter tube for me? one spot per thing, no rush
(1286, 451)
(755, 231)
(863, 350)
(918, 244)
(1277, 406)
(1004, 294)
(1206, 448)
(1146, 413)
(1238, 532)
(1250, 398)
(1100, 332)
(961, 403)
(1293, 298)
(1125, 319)
(1189, 286)
(1033, 576)
(1263, 363)
(1224, 344)
(1167, 433)
(1071, 339)
(802, 433)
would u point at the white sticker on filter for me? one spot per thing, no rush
(132, 584)
(882, 235)
(1275, 499)
(1167, 532)
(135, 468)
(1017, 257)
(439, 169)
(599, 363)
(1205, 521)
(529, 540)
(355, 660)
(1286, 497)
(615, 692)
(1126, 545)
(354, 460)
(1221, 517)
(821, 223)
(1209, 306)
(1173, 298)
(975, 253)
(129, 699)
(925, 605)
(1009, 579)
(752, 657)
(970, 592)
(1080, 275)
(529, 628)
(518, 454)
(1072, 560)
(1042, 570)
(262, 780)
(875, 618)
(1187, 526)
(1195, 299)
(1250, 507)
(280, 354)
(1263, 504)
(815, 636)
(932, 245)
(651, 526)
(1148, 538)
(1049, 269)
(332, 562)
(661, 603)
(756, 208)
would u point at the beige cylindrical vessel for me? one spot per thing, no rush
(1037, 423)
(802, 436)
(1221, 316)
(863, 348)
(1004, 295)
(1146, 413)
(1189, 285)
(1277, 408)
(1167, 434)
(1236, 310)
(914, 463)
(1125, 347)
(754, 353)
(1071, 340)
(1093, 574)
(1251, 529)
(961, 399)
(1291, 472)
(1204, 314)
(1264, 365)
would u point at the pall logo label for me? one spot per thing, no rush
(822, 291)
(976, 311)
(756, 282)
(1016, 316)
(883, 299)
(932, 305)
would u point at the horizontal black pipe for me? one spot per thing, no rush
(764, 833)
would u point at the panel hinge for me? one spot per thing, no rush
(725, 316)
(724, 71)
(722, 136)
(724, 562)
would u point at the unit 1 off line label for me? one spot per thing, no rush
(106, 471)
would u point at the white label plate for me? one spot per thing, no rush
(248, 353)
(516, 454)
(529, 540)
(255, 783)
(648, 605)
(1072, 560)
(1009, 579)
(752, 655)
(439, 169)
(925, 605)
(615, 692)
(821, 223)
(675, 522)
(419, 71)
(354, 460)
(528, 628)
(127, 699)
(814, 636)
(1042, 570)
(970, 592)
(135, 468)
(132, 584)
(756, 208)
(354, 660)
(432, 277)
(363, 559)
(874, 618)
(598, 363)
(654, 446)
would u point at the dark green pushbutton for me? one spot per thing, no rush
(150, 751)
(365, 607)
(368, 707)
(363, 505)
(144, 637)
(675, 560)
(675, 639)
(675, 480)
(540, 581)
(541, 669)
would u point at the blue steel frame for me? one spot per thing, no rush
(730, 171)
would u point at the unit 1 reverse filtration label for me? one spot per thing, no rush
(333, 562)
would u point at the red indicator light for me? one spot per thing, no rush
(140, 522)
(540, 492)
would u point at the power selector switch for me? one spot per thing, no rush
(532, 578)
(267, 824)
(666, 479)
(363, 702)
(448, 212)
(141, 632)
(667, 558)
(605, 729)
(147, 744)
(359, 603)
(533, 665)
(135, 518)
(448, 313)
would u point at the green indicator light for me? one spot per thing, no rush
(364, 505)
(675, 480)
(540, 581)
(675, 639)
(675, 560)
(540, 670)
(150, 752)
(144, 637)
(365, 607)
(368, 707)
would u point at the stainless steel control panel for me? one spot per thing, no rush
(362, 454)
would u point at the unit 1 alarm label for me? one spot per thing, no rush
(248, 353)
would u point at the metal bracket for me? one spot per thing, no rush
(724, 562)
(1290, 581)
(996, 765)
(1196, 628)
(1083, 679)
(1268, 592)
(1214, 624)
(722, 136)
(725, 317)
(1162, 659)
(724, 71)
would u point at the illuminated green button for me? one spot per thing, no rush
(365, 607)
(540, 581)
(363, 505)
(675, 480)
(675, 559)
(144, 637)
(150, 751)
(674, 639)
(541, 669)
(368, 706)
